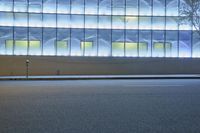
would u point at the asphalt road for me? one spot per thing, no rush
(100, 106)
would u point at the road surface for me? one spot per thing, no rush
(100, 106)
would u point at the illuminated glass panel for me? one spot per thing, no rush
(168, 49)
(172, 7)
(158, 43)
(49, 20)
(143, 49)
(144, 43)
(130, 42)
(77, 7)
(131, 49)
(158, 7)
(132, 7)
(6, 19)
(35, 20)
(185, 25)
(63, 6)
(21, 47)
(62, 47)
(104, 41)
(20, 5)
(49, 6)
(6, 33)
(172, 38)
(105, 7)
(6, 5)
(196, 44)
(9, 47)
(35, 37)
(158, 49)
(86, 47)
(21, 19)
(185, 44)
(21, 41)
(35, 6)
(91, 36)
(91, 22)
(104, 22)
(118, 42)
(77, 36)
(63, 36)
(118, 7)
(34, 47)
(63, 21)
(49, 38)
(131, 22)
(145, 7)
(91, 6)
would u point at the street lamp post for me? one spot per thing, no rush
(27, 72)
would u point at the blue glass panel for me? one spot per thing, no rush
(104, 42)
(21, 19)
(63, 21)
(35, 20)
(158, 44)
(35, 35)
(77, 7)
(185, 43)
(131, 39)
(64, 36)
(49, 38)
(6, 5)
(118, 7)
(132, 7)
(6, 34)
(118, 22)
(158, 23)
(105, 22)
(145, 38)
(49, 20)
(21, 41)
(91, 22)
(196, 45)
(145, 23)
(91, 6)
(20, 5)
(49, 6)
(63, 6)
(105, 7)
(77, 36)
(35, 6)
(77, 21)
(118, 43)
(158, 7)
(172, 7)
(171, 23)
(145, 7)
(172, 38)
(6, 19)
(91, 36)
(131, 22)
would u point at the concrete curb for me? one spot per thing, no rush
(99, 77)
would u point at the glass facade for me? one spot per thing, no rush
(118, 28)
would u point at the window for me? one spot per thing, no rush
(118, 43)
(21, 19)
(104, 41)
(6, 5)
(49, 38)
(77, 7)
(6, 40)
(158, 44)
(20, 41)
(35, 20)
(118, 7)
(132, 7)
(171, 7)
(158, 7)
(91, 6)
(63, 42)
(131, 43)
(104, 22)
(118, 22)
(49, 20)
(63, 6)
(185, 43)
(131, 22)
(105, 7)
(91, 22)
(6, 19)
(49, 6)
(145, 7)
(144, 43)
(172, 38)
(158, 23)
(90, 44)
(20, 5)
(196, 44)
(62, 47)
(77, 21)
(145, 23)
(77, 36)
(63, 21)
(35, 41)
(35, 6)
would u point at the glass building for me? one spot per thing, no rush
(124, 28)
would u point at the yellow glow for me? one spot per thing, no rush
(86, 45)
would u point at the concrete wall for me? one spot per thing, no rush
(15, 65)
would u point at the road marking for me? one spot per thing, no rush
(154, 85)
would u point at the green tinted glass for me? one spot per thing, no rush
(117, 45)
(34, 45)
(62, 45)
(131, 46)
(21, 44)
(86, 45)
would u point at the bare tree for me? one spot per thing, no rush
(190, 12)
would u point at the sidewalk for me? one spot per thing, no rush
(95, 77)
